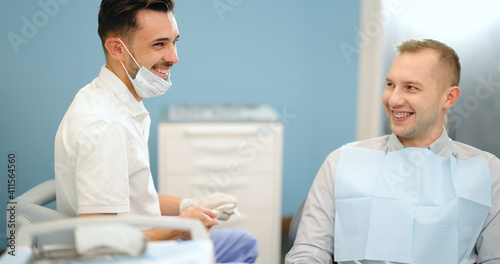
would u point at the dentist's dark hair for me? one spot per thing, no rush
(118, 17)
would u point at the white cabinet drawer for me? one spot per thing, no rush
(179, 152)
(233, 165)
(218, 138)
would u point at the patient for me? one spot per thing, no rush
(101, 146)
(414, 196)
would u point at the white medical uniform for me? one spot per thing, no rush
(101, 152)
(316, 232)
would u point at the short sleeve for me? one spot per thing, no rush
(102, 178)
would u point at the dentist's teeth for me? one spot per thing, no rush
(401, 115)
(165, 71)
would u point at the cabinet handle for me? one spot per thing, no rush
(231, 184)
(217, 146)
(217, 164)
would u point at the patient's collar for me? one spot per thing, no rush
(441, 146)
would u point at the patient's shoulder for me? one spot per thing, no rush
(372, 143)
(466, 151)
(378, 143)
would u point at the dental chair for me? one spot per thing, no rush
(294, 225)
(111, 239)
(30, 208)
(44, 235)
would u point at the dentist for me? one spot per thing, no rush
(101, 146)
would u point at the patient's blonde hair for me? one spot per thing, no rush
(448, 56)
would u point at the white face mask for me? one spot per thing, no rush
(147, 84)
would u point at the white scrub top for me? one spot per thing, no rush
(101, 152)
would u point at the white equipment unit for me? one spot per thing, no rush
(108, 249)
(231, 149)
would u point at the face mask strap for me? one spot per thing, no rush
(129, 53)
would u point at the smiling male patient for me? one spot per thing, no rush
(101, 147)
(414, 196)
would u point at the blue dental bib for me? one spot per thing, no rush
(409, 206)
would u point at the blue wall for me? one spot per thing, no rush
(282, 53)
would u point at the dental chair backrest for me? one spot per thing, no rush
(294, 225)
(29, 208)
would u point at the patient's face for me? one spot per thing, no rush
(413, 97)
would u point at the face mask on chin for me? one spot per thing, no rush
(147, 84)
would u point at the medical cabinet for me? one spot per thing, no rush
(231, 149)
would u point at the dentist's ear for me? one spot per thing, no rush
(452, 94)
(115, 48)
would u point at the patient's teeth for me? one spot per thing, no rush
(401, 115)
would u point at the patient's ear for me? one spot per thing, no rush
(115, 48)
(451, 96)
